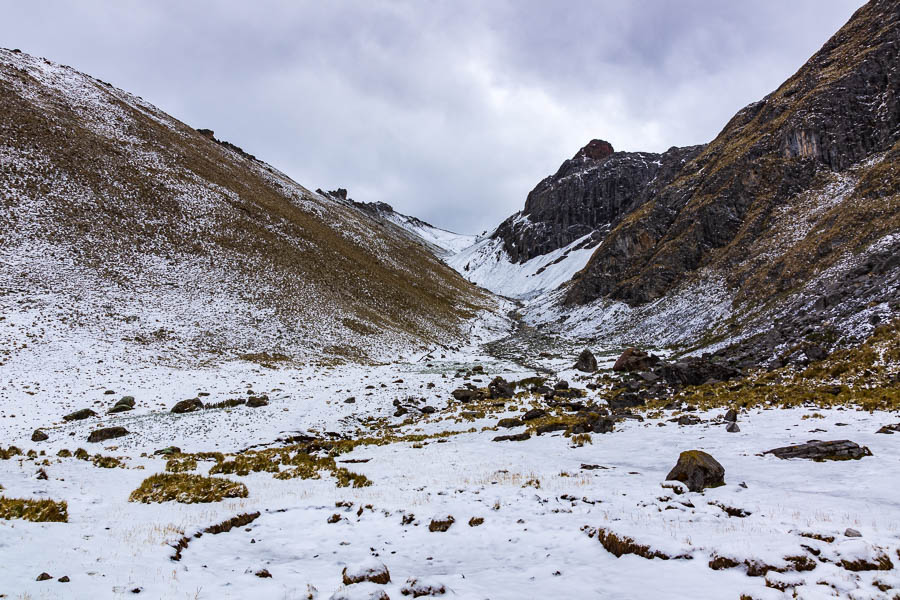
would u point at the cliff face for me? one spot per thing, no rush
(821, 150)
(589, 193)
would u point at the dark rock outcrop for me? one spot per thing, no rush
(635, 360)
(186, 406)
(107, 433)
(587, 362)
(80, 415)
(819, 451)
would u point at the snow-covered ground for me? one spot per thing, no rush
(447, 242)
(541, 505)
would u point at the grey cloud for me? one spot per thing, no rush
(450, 111)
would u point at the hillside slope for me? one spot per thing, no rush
(136, 234)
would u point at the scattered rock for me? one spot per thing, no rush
(441, 524)
(698, 470)
(369, 570)
(64, 579)
(819, 451)
(427, 410)
(107, 433)
(123, 405)
(731, 415)
(889, 429)
(421, 587)
(516, 437)
(635, 360)
(508, 423)
(263, 573)
(39, 436)
(44, 577)
(257, 401)
(587, 362)
(561, 385)
(534, 413)
(167, 451)
(187, 406)
(499, 388)
(334, 518)
(476, 521)
(79, 415)
(732, 427)
(350, 400)
(688, 420)
(466, 395)
(849, 532)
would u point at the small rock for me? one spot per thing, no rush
(427, 410)
(44, 577)
(731, 415)
(39, 436)
(350, 400)
(167, 451)
(849, 532)
(64, 579)
(534, 413)
(732, 427)
(698, 470)
(257, 401)
(107, 433)
(79, 415)
(508, 423)
(587, 362)
(441, 524)
(263, 573)
(516, 437)
(187, 406)
(561, 385)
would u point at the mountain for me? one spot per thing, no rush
(139, 235)
(783, 230)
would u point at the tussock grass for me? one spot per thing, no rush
(187, 489)
(38, 511)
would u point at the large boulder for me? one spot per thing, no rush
(587, 363)
(697, 470)
(635, 360)
(499, 388)
(466, 395)
(819, 451)
(696, 371)
(39, 436)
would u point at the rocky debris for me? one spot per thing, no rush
(257, 401)
(591, 423)
(123, 405)
(561, 385)
(187, 406)
(635, 360)
(39, 436)
(819, 450)
(698, 470)
(509, 423)
(441, 524)
(44, 577)
(732, 427)
(890, 429)
(849, 532)
(515, 437)
(466, 394)
(534, 413)
(107, 433)
(263, 574)
(499, 388)
(587, 362)
(80, 415)
(422, 587)
(696, 371)
(370, 570)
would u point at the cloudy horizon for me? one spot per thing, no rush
(448, 111)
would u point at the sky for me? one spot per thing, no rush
(449, 111)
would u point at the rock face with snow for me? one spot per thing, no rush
(128, 224)
(590, 193)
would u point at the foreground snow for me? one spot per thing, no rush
(538, 502)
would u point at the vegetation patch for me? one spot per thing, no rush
(619, 545)
(186, 488)
(39, 511)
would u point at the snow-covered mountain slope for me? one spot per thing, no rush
(487, 264)
(127, 230)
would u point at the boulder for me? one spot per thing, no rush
(123, 405)
(80, 415)
(819, 451)
(466, 395)
(697, 470)
(516, 437)
(39, 436)
(635, 360)
(186, 406)
(731, 415)
(534, 413)
(732, 427)
(586, 363)
(107, 433)
(507, 423)
(500, 388)
(257, 401)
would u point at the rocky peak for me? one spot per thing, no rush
(595, 150)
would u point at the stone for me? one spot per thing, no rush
(849, 532)
(39, 436)
(889, 429)
(263, 574)
(698, 471)
(427, 410)
(688, 420)
(187, 406)
(257, 401)
(516, 437)
(167, 451)
(466, 395)
(819, 451)
(499, 388)
(350, 400)
(80, 415)
(731, 415)
(534, 413)
(732, 427)
(64, 579)
(635, 360)
(441, 524)
(106, 433)
(587, 362)
(44, 577)
(508, 423)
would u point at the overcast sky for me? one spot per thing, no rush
(450, 111)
